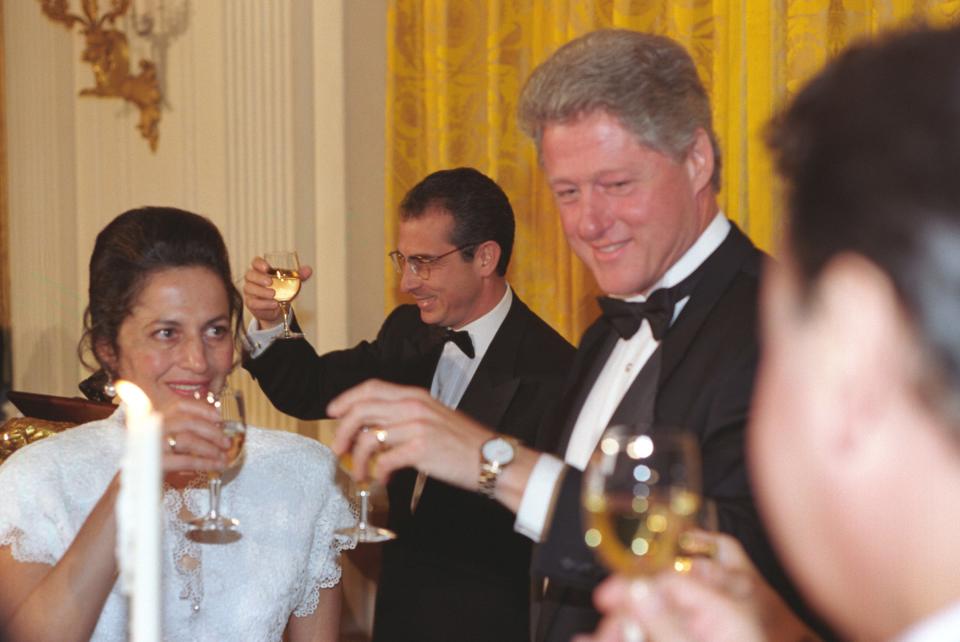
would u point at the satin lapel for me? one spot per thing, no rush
(595, 348)
(489, 393)
(720, 269)
(640, 399)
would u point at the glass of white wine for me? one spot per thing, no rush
(641, 492)
(364, 532)
(229, 403)
(284, 269)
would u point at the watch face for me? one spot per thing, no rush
(498, 450)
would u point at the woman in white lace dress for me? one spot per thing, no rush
(165, 315)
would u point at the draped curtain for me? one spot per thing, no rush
(455, 69)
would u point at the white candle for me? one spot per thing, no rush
(139, 526)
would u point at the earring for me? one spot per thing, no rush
(108, 388)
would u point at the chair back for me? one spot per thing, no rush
(53, 408)
(45, 415)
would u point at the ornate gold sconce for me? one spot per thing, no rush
(107, 51)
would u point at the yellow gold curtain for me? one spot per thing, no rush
(455, 69)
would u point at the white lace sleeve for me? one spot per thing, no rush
(29, 513)
(334, 512)
(43, 504)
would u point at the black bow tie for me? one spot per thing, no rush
(626, 316)
(462, 340)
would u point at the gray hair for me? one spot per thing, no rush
(648, 82)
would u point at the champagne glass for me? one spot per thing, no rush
(230, 405)
(641, 492)
(364, 532)
(284, 269)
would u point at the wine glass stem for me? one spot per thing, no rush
(214, 496)
(364, 495)
(285, 310)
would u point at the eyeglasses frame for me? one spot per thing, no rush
(417, 263)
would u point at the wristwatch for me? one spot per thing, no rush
(495, 454)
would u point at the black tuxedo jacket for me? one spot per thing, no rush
(700, 379)
(457, 570)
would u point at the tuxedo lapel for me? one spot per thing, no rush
(719, 270)
(596, 346)
(640, 399)
(493, 385)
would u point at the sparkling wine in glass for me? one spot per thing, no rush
(641, 492)
(364, 532)
(214, 525)
(284, 269)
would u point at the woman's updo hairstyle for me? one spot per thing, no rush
(129, 250)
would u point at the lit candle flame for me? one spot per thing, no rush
(136, 399)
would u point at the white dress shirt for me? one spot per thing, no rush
(624, 363)
(454, 370)
(942, 626)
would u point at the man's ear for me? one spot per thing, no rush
(486, 257)
(867, 348)
(700, 160)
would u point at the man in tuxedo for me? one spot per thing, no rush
(623, 127)
(457, 570)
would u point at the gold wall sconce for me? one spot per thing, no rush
(107, 50)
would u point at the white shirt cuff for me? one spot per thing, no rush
(259, 340)
(537, 500)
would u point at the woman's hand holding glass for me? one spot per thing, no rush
(193, 437)
(229, 405)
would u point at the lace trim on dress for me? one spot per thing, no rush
(24, 549)
(187, 554)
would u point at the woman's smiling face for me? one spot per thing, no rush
(177, 339)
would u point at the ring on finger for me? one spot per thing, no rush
(381, 435)
(172, 442)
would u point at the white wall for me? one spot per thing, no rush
(272, 126)
(257, 133)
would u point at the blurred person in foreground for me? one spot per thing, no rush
(163, 314)
(855, 438)
(623, 127)
(456, 571)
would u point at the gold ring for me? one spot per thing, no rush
(381, 435)
(172, 442)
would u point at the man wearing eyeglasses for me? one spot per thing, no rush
(622, 126)
(457, 570)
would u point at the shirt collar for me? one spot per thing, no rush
(483, 329)
(705, 245)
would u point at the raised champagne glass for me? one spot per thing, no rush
(284, 269)
(215, 526)
(364, 532)
(641, 492)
